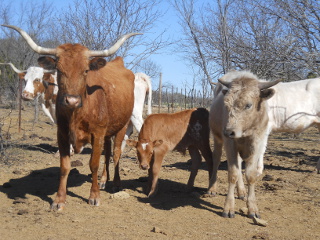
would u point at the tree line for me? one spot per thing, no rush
(275, 39)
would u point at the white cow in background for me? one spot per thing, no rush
(142, 86)
(294, 107)
(39, 83)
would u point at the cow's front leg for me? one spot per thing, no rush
(216, 158)
(240, 184)
(97, 143)
(65, 166)
(228, 210)
(116, 158)
(105, 177)
(252, 175)
(154, 175)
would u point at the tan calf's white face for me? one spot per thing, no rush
(144, 151)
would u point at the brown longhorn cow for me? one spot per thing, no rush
(87, 107)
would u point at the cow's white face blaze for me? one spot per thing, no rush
(144, 152)
(34, 85)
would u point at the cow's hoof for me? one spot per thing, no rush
(210, 194)
(57, 206)
(244, 198)
(228, 214)
(94, 201)
(254, 215)
(102, 185)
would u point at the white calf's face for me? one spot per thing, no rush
(34, 85)
(242, 109)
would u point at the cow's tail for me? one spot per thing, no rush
(149, 95)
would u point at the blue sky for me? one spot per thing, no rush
(175, 71)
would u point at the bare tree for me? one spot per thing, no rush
(192, 45)
(32, 16)
(98, 24)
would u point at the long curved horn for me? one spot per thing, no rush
(14, 68)
(114, 48)
(49, 71)
(265, 85)
(224, 83)
(32, 44)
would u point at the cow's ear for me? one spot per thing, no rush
(22, 75)
(131, 143)
(157, 143)
(45, 83)
(97, 63)
(224, 91)
(47, 63)
(266, 93)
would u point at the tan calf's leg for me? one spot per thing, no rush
(195, 164)
(154, 174)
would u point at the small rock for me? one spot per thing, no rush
(19, 200)
(244, 210)
(259, 222)
(18, 172)
(120, 195)
(76, 163)
(264, 236)
(23, 211)
(156, 230)
(267, 177)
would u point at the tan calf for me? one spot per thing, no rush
(179, 131)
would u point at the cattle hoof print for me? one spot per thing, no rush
(94, 202)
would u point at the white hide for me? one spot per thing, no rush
(295, 106)
(36, 74)
(142, 86)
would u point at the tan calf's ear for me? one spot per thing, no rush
(157, 143)
(131, 143)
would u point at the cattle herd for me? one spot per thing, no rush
(95, 101)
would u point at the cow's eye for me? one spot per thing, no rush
(248, 106)
(37, 80)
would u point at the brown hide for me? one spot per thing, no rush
(179, 131)
(106, 106)
(49, 85)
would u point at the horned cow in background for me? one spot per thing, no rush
(40, 83)
(88, 103)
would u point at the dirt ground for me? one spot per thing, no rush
(288, 193)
